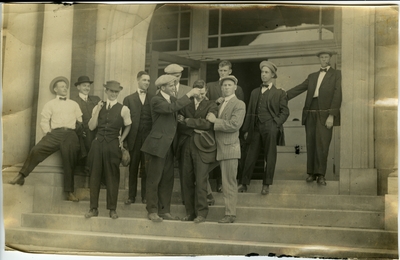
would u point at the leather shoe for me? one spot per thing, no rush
(199, 219)
(242, 188)
(113, 214)
(189, 218)
(321, 180)
(144, 201)
(71, 197)
(265, 190)
(210, 199)
(311, 178)
(129, 201)
(92, 213)
(219, 188)
(19, 179)
(227, 219)
(154, 217)
(168, 216)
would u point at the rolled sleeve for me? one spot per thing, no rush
(126, 115)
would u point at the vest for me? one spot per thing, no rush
(262, 111)
(109, 123)
(145, 117)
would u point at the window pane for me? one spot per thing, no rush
(213, 42)
(213, 22)
(165, 46)
(328, 17)
(327, 33)
(167, 9)
(240, 40)
(165, 27)
(184, 45)
(185, 25)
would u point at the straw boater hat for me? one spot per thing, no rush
(271, 66)
(113, 85)
(83, 79)
(204, 141)
(55, 80)
(230, 77)
(173, 68)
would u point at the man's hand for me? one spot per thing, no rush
(219, 100)
(181, 119)
(211, 117)
(194, 92)
(99, 106)
(329, 122)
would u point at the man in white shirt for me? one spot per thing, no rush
(59, 119)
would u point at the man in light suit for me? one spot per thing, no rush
(160, 146)
(230, 118)
(263, 126)
(139, 105)
(320, 113)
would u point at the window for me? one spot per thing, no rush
(170, 29)
(257, 25)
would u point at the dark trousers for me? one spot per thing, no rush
(265, 134)
(105, 159)
(159, 183)
(137, 157)
(318, 139)
(58, 139)
(194, 178)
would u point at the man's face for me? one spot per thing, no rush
(169, 88)
(61, 88)
(144, 82)
(266, 74)
(84, 88)
(112, 94)
(228, 88)
(224, 71)
(324, 59)
(202, 95)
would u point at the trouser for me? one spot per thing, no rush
(229, 185)
(137, 157)
(64, 140)
(159, 183)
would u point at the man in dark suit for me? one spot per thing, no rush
(320, 113)
(160, 146)
(86, 102)
(139, 105)
(198, 151)
(263, 126)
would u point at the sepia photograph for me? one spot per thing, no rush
(181, 129)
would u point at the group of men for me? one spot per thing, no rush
(196, 126)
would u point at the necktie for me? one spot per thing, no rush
(109, 106)
(323, 70)
(63, 98)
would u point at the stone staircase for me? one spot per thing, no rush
(295, 219)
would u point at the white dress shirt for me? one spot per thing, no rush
(226, 100)
(320, 78)
(265, 88)
(83, 96)
(142, 96)
(166, 96)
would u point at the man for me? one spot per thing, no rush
(139, 105)
(105, 154)
(59, 121)
(197, 143)
(176, 71)
(320, 113)
(160, 146)
(86, 103)
(230, 118)
(263, 126)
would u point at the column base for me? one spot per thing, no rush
(358, 182)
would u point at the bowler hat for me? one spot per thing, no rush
(113, 85)
(270, 65)
(325, 52)
(173, 68)
(230, 77)
(204, 141)
(164, 79)
(83, 79)
(55, 80)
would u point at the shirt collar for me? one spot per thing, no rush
(165, 95)
(269, 85)
(327, 68)
(177, 87)
(58, 96)
(112, 103)
(229, 97)
(83, 96)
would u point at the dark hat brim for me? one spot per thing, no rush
(197, 142)
(86, 81)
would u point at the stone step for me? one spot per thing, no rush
(266, 233)
(259, 215)
(114, 243)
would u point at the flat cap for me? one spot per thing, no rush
(230, 77)
(173, 68)
(164, 79)
(270, 65)
(325, 52)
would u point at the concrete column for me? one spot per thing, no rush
(357, 172)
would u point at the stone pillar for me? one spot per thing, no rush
(357, 173)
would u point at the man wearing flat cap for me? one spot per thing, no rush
(176, 71)
(231, 113)
(197, 151)
(320, 113)
(59, 119)
(105, 155)
(160, 146)
(86, 103)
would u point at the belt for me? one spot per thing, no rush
(64, 129)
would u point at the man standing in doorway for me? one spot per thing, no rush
(320, 113)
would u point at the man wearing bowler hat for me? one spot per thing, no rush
(320, 113)
(198, 151)
(59, 119)
(263, 126)
(160, 146)
(86, 103)
(105, 155)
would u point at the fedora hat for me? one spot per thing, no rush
(83, 79)
(55, 80)
(113, 85)
(204, 141)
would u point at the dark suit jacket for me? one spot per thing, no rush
(214, 91)
(197, 120)
(277, 106)
(163, 132)
(135, 106)
(330, 95)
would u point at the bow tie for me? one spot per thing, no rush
(142, 91)
(321, 70)
(62, 98)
